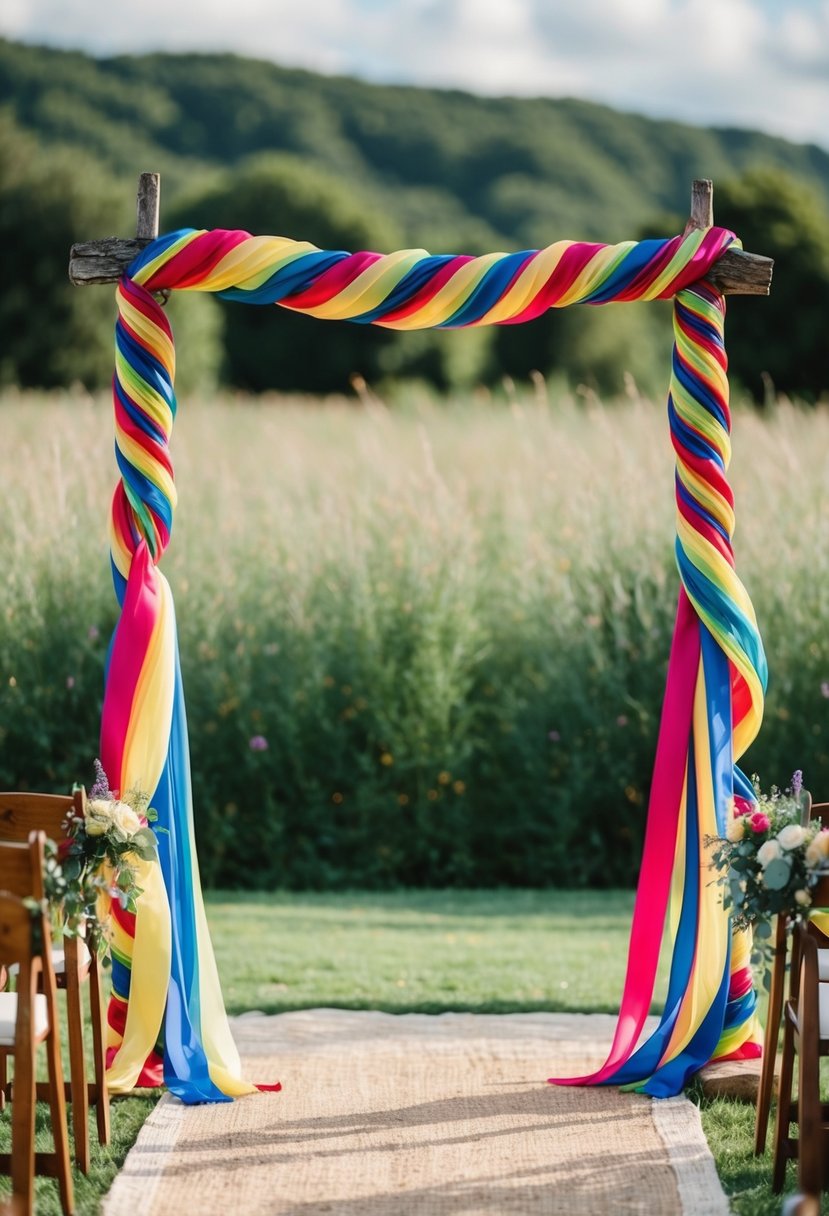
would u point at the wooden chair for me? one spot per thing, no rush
(805, 1035)
(74, 965)
(780, 963)
(28, 1017)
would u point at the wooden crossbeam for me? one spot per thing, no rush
(736, 273)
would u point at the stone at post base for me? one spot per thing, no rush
(735, 1079)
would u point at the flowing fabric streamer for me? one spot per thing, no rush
(166, 1017)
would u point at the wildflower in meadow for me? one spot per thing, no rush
(258, 743)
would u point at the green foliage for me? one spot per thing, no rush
(346, 164)
(53, 334)
(198, 327)
(779, 343)
(450, 628)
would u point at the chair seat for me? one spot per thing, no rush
(8, 1017)
(823, 1007)
(59, 959)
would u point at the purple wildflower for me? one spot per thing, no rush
(258, 743)
(70, 681)
(100, 788)
(554, 736)
(797, 781)
(622, 720)
(93, 633)
(824, 688)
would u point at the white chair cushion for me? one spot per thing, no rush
(823, 964)
(8, 1017)
(823, 998)
(59, 959)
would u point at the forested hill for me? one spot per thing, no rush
(526, 170)
(243, 143)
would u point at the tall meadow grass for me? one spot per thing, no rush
(420, 646)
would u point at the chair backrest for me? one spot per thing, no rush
(21, 866)
(817, 926)
(16, 931)
(23, 813)
(21, 877)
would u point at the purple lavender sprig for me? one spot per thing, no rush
(100, 789)
(797, 781)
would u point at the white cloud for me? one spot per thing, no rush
(752, 63)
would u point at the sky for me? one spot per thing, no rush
(762, 64)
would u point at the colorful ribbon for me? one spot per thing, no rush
(164, 970)
(712, 712)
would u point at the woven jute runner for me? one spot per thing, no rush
(417, 1115)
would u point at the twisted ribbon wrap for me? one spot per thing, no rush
(166, 1014)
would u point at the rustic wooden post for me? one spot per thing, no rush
(147, 206)
(702, 204)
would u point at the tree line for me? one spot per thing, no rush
(349, 165)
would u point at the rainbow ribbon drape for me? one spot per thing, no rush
(166, 1015)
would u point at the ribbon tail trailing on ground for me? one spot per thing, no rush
(166, 1017)
(712, 712)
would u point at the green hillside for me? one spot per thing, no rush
(526, 170)
(236, 140)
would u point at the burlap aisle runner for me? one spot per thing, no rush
(421, 1116)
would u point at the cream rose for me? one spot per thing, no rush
(769, 851)
(791, 836)
(818, 849)
(126, 818)
(803, 897)
(98, 816)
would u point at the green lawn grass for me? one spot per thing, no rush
(426, 951)
(423, 951)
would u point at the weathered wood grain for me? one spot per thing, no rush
(702, 204)
(738, 273)
(148, 205)
(103, 261)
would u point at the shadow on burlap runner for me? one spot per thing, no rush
(421, 1116)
